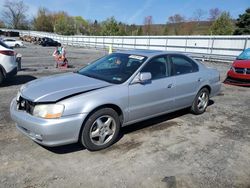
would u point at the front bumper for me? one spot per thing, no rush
(237, 82)
(237, 79)
(47, 132)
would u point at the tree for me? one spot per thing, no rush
(243, 23)
(223, 25)
(166, 30)
(2, 24)
(199, 14)
(43, 20)
(189, 27)
(64, 24)
(139, 31)
(148, 21)
(177, 21)
(94, 28)
(81, 25)
(14, 14)
(214, 13)
(110, 27)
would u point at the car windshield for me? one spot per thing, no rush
(245, 55)
(115, 68)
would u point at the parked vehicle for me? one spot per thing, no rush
(45, 41)
(13, 42)
(8, 65)
(120, 89)
(239, 73)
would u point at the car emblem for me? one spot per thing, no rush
(245, 71)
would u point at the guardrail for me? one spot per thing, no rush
(216, 48)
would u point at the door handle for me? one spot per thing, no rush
(170, 85)
(199, 79)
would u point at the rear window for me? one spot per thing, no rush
(4, 45)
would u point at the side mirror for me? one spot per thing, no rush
(143, 78)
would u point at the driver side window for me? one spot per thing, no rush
(157, 67)
(110, 63)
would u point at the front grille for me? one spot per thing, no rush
(25, 105)
(242, 70)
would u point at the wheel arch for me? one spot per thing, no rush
(2, 70)
(206, 86)
(108, 105)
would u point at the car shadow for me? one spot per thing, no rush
(71, 148)
(153, 121)
(18, 80)
(156, 120)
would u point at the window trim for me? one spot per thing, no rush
(150, 60)
(184, 57)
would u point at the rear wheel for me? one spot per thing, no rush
(200, 102)
(100, 130)
(1, 77)
(17, 45)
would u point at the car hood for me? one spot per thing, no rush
(242, 63)
(58, 87)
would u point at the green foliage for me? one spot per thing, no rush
(110, 27)
(243, 24)
(81, 25)
(140, 31)
(64, 24)
(223, 25)
(43, 21)
(166, 30)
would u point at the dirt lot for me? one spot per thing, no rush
(175, 150)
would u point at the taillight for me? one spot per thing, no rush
(7, 52)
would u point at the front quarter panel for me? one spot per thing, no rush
(86, 103)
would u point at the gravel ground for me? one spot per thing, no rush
(174, 150)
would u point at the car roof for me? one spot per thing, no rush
(147, 53)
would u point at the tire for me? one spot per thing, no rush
(100, 130)
(1, 77)
(17, 45)
(200, 102)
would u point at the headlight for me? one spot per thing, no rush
(232, 68)
(48, 111)
(18, 96)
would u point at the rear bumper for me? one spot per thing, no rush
(216, 89)
(47, 132)
(13, 72)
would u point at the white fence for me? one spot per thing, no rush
(220, 48)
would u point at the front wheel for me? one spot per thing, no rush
(200, 102)
(100, 130)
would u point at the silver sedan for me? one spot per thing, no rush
(91, 105)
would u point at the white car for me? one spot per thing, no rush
(8, 65)
(13, 42)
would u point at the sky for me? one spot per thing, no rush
(134, 11)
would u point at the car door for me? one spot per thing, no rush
(8, 42)
(154, 97)
(188, 79)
